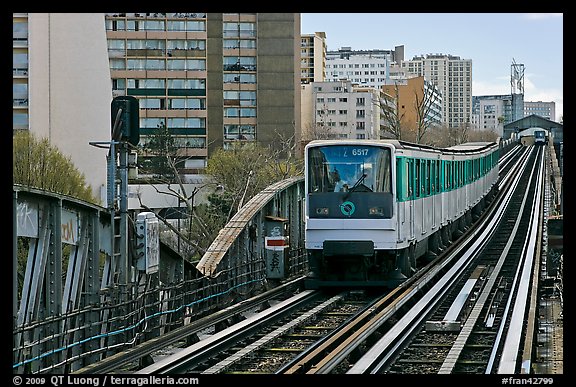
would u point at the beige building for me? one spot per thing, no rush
(61, 86)
(313, 57)
(415, 97)
(453, 77)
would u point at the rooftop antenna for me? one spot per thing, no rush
(517, 77)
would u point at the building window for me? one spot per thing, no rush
(239, 30)
(186, 104)
(239, 63)
(187, 84)
(239, 44)
(19, 120)
(239, 132)
(239, 78)
(239, 112)
(240, 98)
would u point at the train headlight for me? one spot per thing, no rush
(322, 211)
(377, 211)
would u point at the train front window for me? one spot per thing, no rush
(342, 168)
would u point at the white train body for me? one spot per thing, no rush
(403, 201)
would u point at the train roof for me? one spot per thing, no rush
(478, 145)
(460, 148)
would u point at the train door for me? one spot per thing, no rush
(412, 193)
(420, 194)
(427, 212)
(433, 173)
(403, 188)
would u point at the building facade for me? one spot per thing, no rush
(492, 112)
(363, 67)
(313, 57)
(61, 86)
(543, 109)
(340, 110)
(212, 79)
(419, 104)
(453, 77)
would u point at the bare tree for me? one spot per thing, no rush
(397, 124)
(284, 160)
(425, 116)
(240, 172)
(392, 118)
(318, 131)
(161, 168)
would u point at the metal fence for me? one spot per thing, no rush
(70, 311)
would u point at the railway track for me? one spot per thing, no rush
(450, 317)
(469, 328)
(267, 340)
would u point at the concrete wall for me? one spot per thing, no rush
(70, 88)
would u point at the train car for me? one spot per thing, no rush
(539, 137)
(376, 210)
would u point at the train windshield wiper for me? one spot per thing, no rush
(358, 182)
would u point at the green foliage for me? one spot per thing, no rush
(246, 169)
(37, 164)
(162, 150)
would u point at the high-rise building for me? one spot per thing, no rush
(211, 79)
(313, 57)
(61, 86)
(453, 76)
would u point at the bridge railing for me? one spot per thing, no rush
(68, 309)
(273, 215)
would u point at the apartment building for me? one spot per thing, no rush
(453, 77)
(492, 112)
(212, 79)
(340, 110)
(543, 109)
(61, 86)
(313, 57)
(363, 67)
(419, 103)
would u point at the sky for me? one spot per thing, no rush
(493, 41)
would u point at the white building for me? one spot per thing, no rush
(362, 67)
(340, 110)
(61, 86)
(543, 109)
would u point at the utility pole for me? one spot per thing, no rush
(125, 131)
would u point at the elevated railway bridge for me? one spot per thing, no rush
(90, 283)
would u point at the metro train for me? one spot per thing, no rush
(540, 137)
(377, 210)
